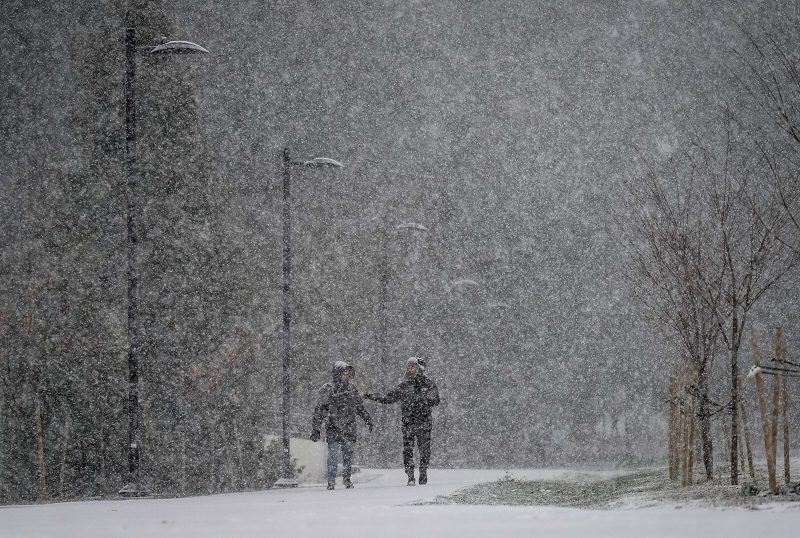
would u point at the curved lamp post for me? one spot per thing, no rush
(134, 486)
(288, 480)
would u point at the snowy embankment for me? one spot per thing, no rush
(381, 505)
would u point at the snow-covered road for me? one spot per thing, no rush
(380, 506)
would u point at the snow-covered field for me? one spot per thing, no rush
(382, 506)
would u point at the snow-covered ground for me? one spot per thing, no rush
(382, 506)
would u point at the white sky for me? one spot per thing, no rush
(382, 506)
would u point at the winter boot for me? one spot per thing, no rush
(411, 481)
(347, 483)
(423, 477)
(331, 484)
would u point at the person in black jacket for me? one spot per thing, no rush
(417, 395)
(339, 402)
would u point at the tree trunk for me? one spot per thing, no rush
(705, 425)
(748, 445)
(239, 456)
(41, 468)
(62, 469)
(776, 402)
(742, 458)
(212, 475)
(726, 433)
(690, 427)
(103, 454)
(183, 462)
(734, 449)
(681, 442)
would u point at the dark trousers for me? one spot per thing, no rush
(422, 435)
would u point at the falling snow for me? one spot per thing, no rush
(464, 182)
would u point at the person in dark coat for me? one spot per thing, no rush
(339, 401)
(417, 395)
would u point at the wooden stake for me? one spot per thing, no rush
(690, 423)
(673, 428)
(784, 414)
(776, 400)
(787, 476)
(765, 422)
(670, 417)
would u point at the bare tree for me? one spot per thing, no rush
(746, 221)
(767, 72)
(667, 242)
(706, 247)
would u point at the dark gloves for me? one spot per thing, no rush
(315, 436)
(369, 426)
(369, 396)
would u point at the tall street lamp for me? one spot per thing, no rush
(287, 480)
(135, 487)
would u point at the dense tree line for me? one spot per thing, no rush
(64, 381)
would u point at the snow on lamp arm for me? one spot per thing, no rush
(178, 47)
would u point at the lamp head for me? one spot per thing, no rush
(323, 162)
(412, 226)
(178, 47)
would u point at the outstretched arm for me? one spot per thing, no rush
(391, 397)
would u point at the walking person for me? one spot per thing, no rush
(339, 401)
(417, 394)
